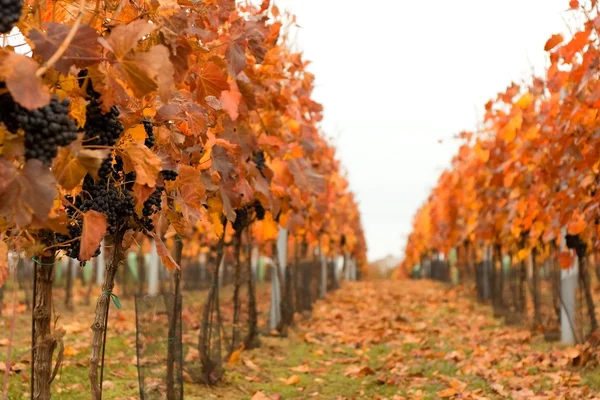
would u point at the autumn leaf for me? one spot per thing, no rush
(27, 193)
(292, 380)
(3, 262)
(448, 392)
(125, 38)
(230, 100)
(554, 41)
(236, 56)
(146, 164)
(577, 224)
(94, 228)
(566, 259)
(211, 81)
(18, 72)
(82, 51)
(164, 254)
(234, 359)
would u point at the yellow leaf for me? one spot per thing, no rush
(139, 158)
(137, 133)
(77, 111)
(525, 100)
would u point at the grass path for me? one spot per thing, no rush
(369, 340)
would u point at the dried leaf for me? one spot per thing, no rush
(164, 254)
(18, 72)
(94, 228)
(82, 51)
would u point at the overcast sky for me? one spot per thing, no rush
(396, 76)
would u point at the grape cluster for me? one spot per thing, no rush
(45, 128)
(259, 159)
(101, 129)
(241, 219)
(152, 205)
(108, 199)
(169, 175)
(150, 140)
(10, 12)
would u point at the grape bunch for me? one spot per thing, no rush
(150, 140)
(101, 129)
(169, 175)
(45, 128)
(242, 219)
(151, 206)
(10, 13)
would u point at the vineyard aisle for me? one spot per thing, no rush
(410, 340)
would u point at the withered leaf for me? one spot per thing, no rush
(82, 51)
(94, 228)
(18, 72)
(164, 254)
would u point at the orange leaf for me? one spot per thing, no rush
(94, 228)
(574, 4)
(164, 254)
(566, 260)
(449, 392)
(145, 163)
(3, 262)
(230, 100)
(292, 380)
(234, 359)
(554, 41)
(577, 224)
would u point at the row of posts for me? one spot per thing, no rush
(444, 269)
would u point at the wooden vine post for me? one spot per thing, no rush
(43, 343)
(175, 318)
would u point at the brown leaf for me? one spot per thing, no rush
(82, 51)
(148, 71)
(18, 72)
(164, 254)
(211, 82)
(236, 56)
(94, 228)
(125, 38)
(260, 396)
(146, 164)
(29, 194)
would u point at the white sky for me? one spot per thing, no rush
(396, 76)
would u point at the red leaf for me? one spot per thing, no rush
(164, 254)
(574, 4)
(94, 228)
